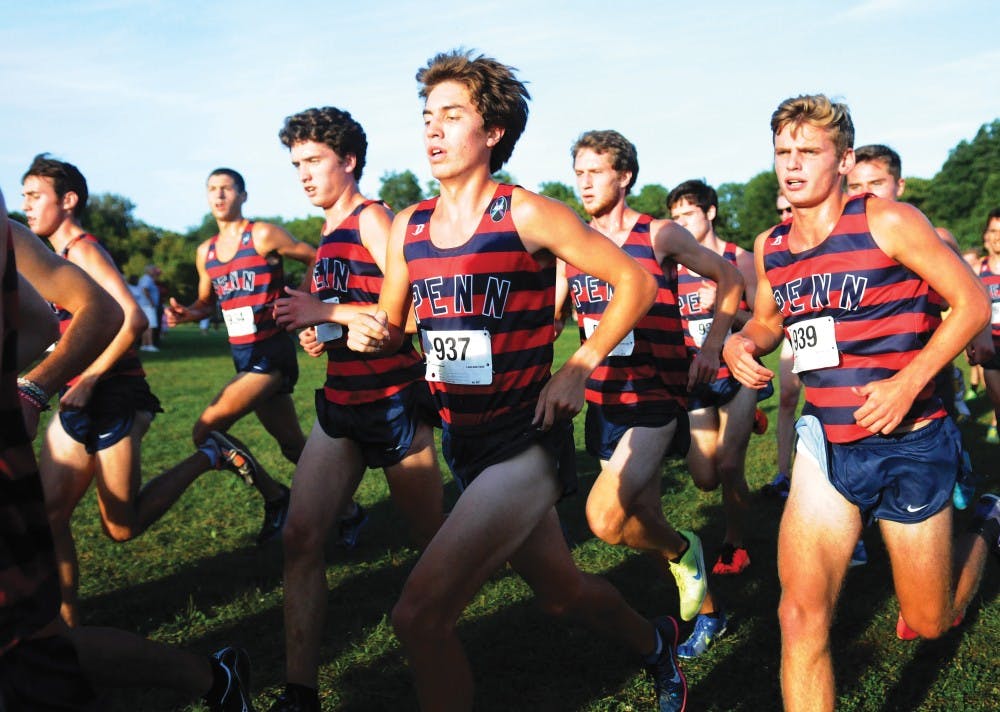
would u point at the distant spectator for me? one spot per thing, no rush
(147, 294)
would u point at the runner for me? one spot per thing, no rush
(873, 439)
(105, 411)
(636, 398)
(368, 411)
(478, 264)
(241, 268)
(721, 412)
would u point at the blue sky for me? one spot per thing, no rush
(146, 97)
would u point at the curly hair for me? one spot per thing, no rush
(331, 126)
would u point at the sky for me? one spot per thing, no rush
(146, 97)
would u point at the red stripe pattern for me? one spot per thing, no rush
(883, 316)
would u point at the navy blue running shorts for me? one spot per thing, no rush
(604, 428)
(994, 363)
(383, 429)
(45, 674)
(719, 392)
(903, 478)
(469, 453)
(274, 354)
(109, 415)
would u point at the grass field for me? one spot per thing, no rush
(197, 580)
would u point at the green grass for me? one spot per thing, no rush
(196, 579)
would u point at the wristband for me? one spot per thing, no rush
(33, 393)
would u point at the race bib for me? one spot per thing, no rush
(459, 357)
(699, 328)
(329, 331)
(239, 321)
(625, 347)
(814, 343)
(996, 312)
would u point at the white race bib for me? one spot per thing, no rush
(996, 312)
(239, 321)
(328, 331)
(699, 328)
(625, 347)
(460, 357)
(814, 343)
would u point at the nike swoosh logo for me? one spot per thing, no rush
(911, 508)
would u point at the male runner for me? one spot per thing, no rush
(105, 411)
(368, 411)
(838, 279)
(636, 398)
(878, 170)
(721, 412)
(43, 664)
(988, 270)
(789, 389)
(241, 267)
(478, 265)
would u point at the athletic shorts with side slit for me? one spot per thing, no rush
(904, 478)
(110, 413)
(720, 391)
(383, 429)
(604, 429)
(470, 452)
(274, 354)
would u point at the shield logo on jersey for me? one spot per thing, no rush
(498, 209)
(246, 238)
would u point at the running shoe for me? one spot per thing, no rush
(689, 573)
(275, 514)
(732, 560)
(905, 632)
(971, 394)
(759, 422)
(965, 484)
(706, 630)
(349, 528)
(778, 487)
(859, 557)
(234, 663)
(991, 435)
(235, 456)
(671, 687)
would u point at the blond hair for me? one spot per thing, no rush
(816, 110)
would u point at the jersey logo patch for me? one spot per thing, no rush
(246, 238)
(498, 209)
(417, 229)
(777, 240)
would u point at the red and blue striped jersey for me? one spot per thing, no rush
(494, 289)
(883, 314)
(129, 363)
(346, 272)
(653, 365)
(692, 311)
(247, 280)
(992, 282)
(29, 589)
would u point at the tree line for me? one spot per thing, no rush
(958, 197)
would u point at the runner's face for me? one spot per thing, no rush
(324, 175)
(873, 177)
(600, 186)
(44, 210)
(808, 167)
(693, 218)
(783, 207)
(455, 137)
(225, 202)
(991, 238)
